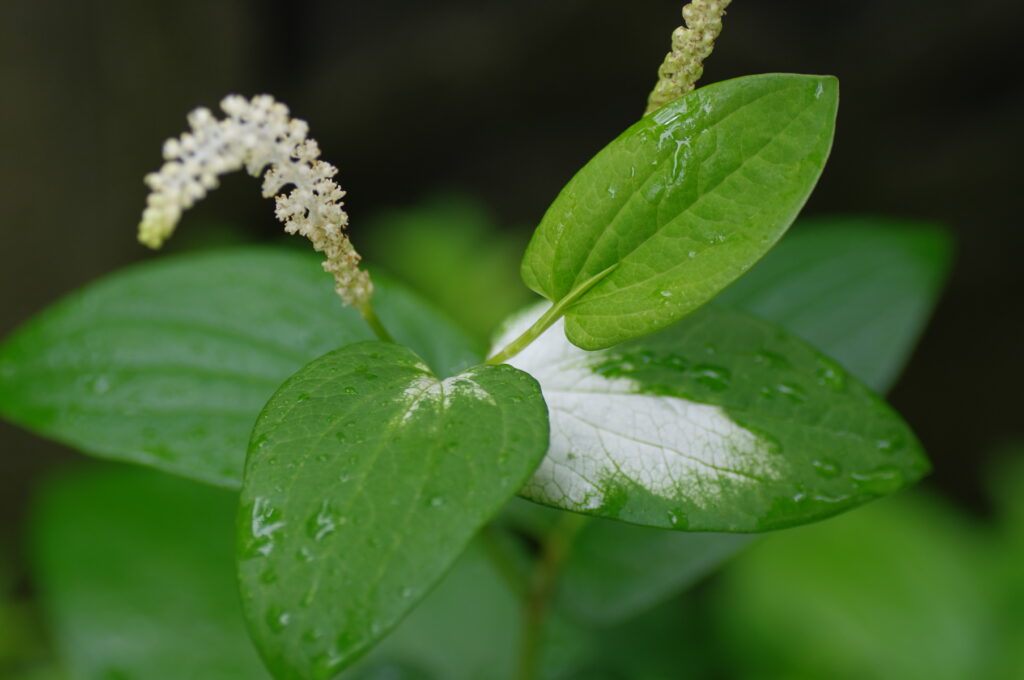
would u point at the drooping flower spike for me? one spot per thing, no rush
(258, 134)
(691, 45)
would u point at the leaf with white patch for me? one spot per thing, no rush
(723, 422)
(366, 478)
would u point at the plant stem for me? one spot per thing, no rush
(504, 559)
(554, 550)
(370, 317)
(532, 333)
(544, 322)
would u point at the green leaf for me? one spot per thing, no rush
(617, 570)
(723, 422)
(683, 202)
(135, 569)
(858, 288)
(849, 598)
(169, 363)
(366, 478)
(467, 627)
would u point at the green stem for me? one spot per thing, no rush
(370, 317)
(544, 322)
(556, 547)
(504, 560)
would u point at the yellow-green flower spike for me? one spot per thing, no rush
(692, 43)
(258, 134)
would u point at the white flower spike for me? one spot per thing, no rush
(258, 134)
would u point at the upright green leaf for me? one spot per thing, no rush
(858, 288)
(168, 363)
(135, 570)
(366, 478)
(723, 422)
(682, 203)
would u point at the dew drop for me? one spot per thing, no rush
(327, 664)
(265, 522)
(880, 481)
(692, 254)
(322, 524)
(406, 592)
(309, 597)
(831, 375)
(277, 619)
(890, 445)
(713, 377)
(436, 501)
(666, 293)
(100, 384)
(302, 397)
(776, 361)
(792, 391)
(826, 467)
(350, 390)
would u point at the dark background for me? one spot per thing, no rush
(505, 100)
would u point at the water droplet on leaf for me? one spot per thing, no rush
(826, 467)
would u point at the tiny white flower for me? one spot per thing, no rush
(258, 134)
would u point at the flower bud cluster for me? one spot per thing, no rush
(691, 45)
(258, 134)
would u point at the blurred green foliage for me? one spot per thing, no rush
(908, 587)
(449, 250)
(136, 574)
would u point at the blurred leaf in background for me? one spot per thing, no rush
(24, 653)
(449, 249)
(907, 587)
(860, 289)
(136, 571)
(1007, 489)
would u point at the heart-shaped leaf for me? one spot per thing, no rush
(681, 204)
(168, 363)
(366, 478)
(722, 422)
